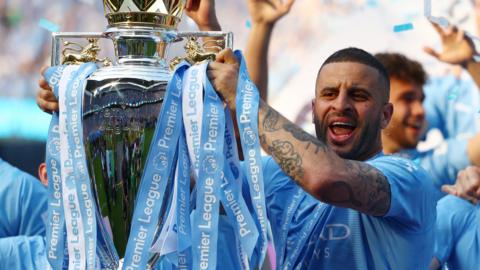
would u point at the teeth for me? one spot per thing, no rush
(341, 124)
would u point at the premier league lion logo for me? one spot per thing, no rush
(209, 164)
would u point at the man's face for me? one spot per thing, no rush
(350, 109)
(408, 118)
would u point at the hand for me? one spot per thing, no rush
(268, 11)
(467, 185)
(223, 73)
(46, 100)
(457, 48)
(203, 14)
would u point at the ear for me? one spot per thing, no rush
(42, 173)
(387, 112)
(313, 110)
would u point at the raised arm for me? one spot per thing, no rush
(308, 161)
(457, 49)
(264, 15)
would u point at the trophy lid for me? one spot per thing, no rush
(144, 13)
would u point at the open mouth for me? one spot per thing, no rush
(341, 131)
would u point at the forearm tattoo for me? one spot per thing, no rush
(289, 160)
(368, 189)
(303, 136)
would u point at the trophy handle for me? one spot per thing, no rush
(88, 53)
(196, 53)
(75, 53)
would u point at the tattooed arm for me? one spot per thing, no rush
(319, 170)
(309, 162)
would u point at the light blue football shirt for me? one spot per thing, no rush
(23, 201)
(452, 105)
(315, 235)
(457, 238)
(23, 252)
(443, 162)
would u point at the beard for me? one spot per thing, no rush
(360, 148)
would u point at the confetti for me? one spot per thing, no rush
(453, 93)
(248, 24)
(48, 25)
(402, 27)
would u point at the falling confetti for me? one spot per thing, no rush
(248, 24)
(402, 27)
(48, 25)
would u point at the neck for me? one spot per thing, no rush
(390, 146)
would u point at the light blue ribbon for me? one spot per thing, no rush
(232, 199)
(56, 218)
(205, 229)
(82, 179)
(183, 205)
(247, 101)
(158, 168)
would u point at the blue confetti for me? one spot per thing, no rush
(454, 93)
(248, 24)
(48, 25)
(372, 3)
(402, 27)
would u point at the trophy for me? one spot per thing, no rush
(122, 101)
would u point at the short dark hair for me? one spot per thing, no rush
(357, 55)
(402, 68)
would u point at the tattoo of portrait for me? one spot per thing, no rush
(289, 160)
(271, 120)
(303, 136)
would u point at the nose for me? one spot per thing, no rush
(342, 103)
(418, 110)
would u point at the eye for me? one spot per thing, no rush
(328, 93)
(359, 95)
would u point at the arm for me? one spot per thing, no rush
(319, 170)
(264, 15)
(457, 49)
(202, 12)
(467, 185)
(308, 161)
(473, 150)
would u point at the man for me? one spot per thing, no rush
(457, 243)
(335, 201)
(23, 202)
(402, 135)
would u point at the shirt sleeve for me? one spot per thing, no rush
(24, 202)
(451, 221)
(411, 202)
(23, 252)
(445, 161)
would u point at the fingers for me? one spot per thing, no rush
(43, 69)
(46, 101)
(188, 5)
(431, 52)
(43, 84)
(450, 189)
(454, 190)
(288, 4)
(226, 56)
(438, 28)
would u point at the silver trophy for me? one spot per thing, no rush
(122, 101)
